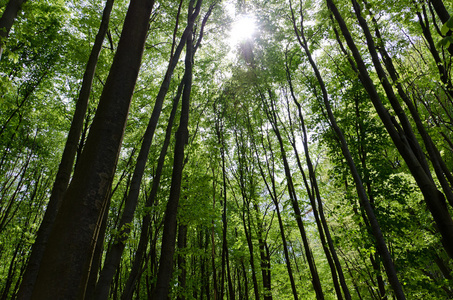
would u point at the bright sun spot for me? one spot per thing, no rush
(242, 29)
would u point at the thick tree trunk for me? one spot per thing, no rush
(440, 9)
(7, 20)
(113, 257)
(67, 161)
(68, 256)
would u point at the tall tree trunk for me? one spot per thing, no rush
(443, 174)
(440, 9)
(364, 201)
(434, 199)
(264, 255)
(169, 232)
(225, 256)
(248, 236)
(67, 160)
(316, 203)
(68, 256)
(272, 117)
(213, 255)
(274, 196)
(150, 202)
(444, 16)
(113, 257)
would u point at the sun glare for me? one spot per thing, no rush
(242, 29)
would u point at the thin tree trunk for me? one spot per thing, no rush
(442, 172)
(274, 196)
(169, 232)
(182, 244)
(247, 231)
(213, 255)
(150, 202)
(271, 115)
(316, 203)
(225, 256)
(264, 256)
(414, 158)
(364, 201)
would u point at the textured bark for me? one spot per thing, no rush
(67, 160)
(68, 256)
(7, 20)
(97, 259)
(144, 236)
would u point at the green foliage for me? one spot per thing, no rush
(235, 90)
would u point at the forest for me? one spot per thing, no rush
(235, 149)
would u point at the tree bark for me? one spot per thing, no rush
(113, 257)
(67, 160)
(68, 256)
(182, 245)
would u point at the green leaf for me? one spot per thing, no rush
(447, 26)
(445, 42)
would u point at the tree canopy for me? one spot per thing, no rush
(207, 149)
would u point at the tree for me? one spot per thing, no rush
(7, 20)
(74, 235)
